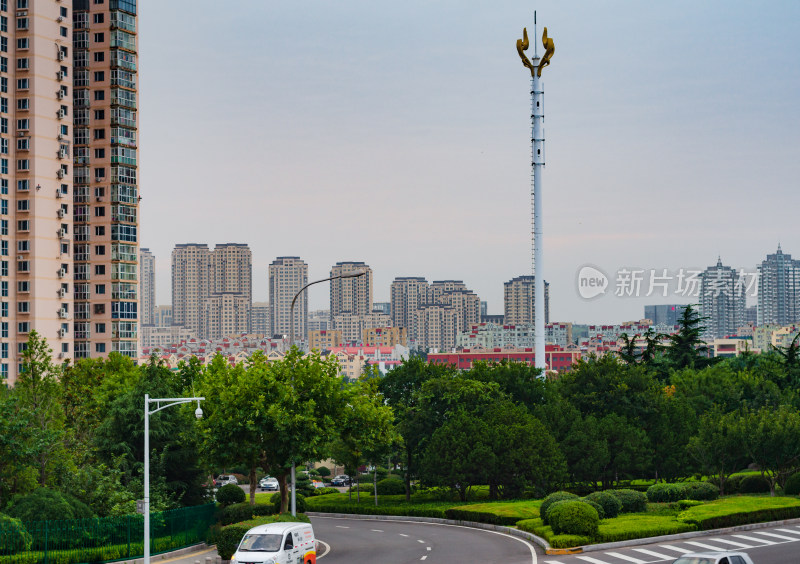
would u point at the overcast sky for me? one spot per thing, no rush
(397, 133)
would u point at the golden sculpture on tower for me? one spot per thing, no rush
(549, 49)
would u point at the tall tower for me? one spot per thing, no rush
(537, 165)
(147, 286)
(519, 300)
(287, 275)
(722, 300)
(779, 289)
(105, 175)
(192, 283)
(351, 295)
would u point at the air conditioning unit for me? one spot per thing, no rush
(60, 136)
(61, 75)
(61, 55)
(20, 134)
(62, 233)
(62, 333)
(60, 355)
(60, 94)
(59, 19)
(62, 273)
(62, 154)
(62, 292)
(59, 193)
(62, 114)
(61, 213)
(60, 173)
(98, 198)
(62, 313)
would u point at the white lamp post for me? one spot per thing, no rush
(160, 403)
(291, 344)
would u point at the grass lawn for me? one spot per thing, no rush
(524, 509)
(277, 518)
(741, 509)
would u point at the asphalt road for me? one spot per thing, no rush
(360, 541)
(774, 545)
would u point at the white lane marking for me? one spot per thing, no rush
(403, 534)
(341, 527)
(773, 535)
(705, 546)
(733, 543)
(327, 549)
(523, 541)
(592, 560)
(420, 540)
(652, 553)
(376, 530)
(676, 548)
(788, 531)
(428, 547)
(424, 557)
(626, 557)
(753, 539)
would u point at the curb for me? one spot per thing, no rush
(486, 526)
(168, 555)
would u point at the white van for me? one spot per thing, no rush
(277, 543)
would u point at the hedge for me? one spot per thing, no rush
(792, 486)
(538, 528)
(733, 511)
(608, 501)
(636, 526)
(573, 518)
(459, 514)
(670, 493)
(391, 486)
(632, 501)
(299, 501)
(230, 494)
(243, 512)
(753, 484)
(228, 541)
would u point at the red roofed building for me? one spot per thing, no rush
(558, 359)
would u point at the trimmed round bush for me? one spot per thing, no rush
(792, 486)
(573, 518)
(44, 504)
(324, 471)
(608, 501)
(391, 486)
(229, 494)
(631, 500)
(228, 541)
(275, 499)
(753, 484)
(17, 538)
(666, 493)
(702, 491)
(550, 500)
(597, 507)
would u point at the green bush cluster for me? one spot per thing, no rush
(229, 494)
(632, 501)
(597, 507)
(44, 504)
(753, 484)
(670, 493)
(573, 518)
(687, 503)
(239, 512)
(550, 500)
(322, 491)
(16, 538)
(709, 522)
(457, 514)
(300, 502)
(391, 486)
(792, 486)
(228, 541)
(608, 501)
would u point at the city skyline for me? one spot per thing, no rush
(427, 135)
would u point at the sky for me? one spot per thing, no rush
(398, 134)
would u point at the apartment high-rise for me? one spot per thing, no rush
(287, 276)
(147, 286)
(408, 293)
(664, 314)
(351, 295)
(224, 314)
(259, 318)
(519, 303)
(191, 284)
(105, 174)
(722, 300)
(779, 290)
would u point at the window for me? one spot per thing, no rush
(99, 174)
(99, 76)
(23, 64)
(98, 18)
(22, 104)
(23, 307)
(64, 248)
(64, 130)
(4, 166)
(63, 11)
(4, 23)
(99, 211)
(99, 57)
(100, 115)
(22, 43)
(99, 153)
(99, 133)
(23, 164)
(100, 269)
(63, 31)
(24, 327)
(99, 95)
(23, 266)
(3, 64)
(99, 288)
(99, 192)
(3, 84)
(23, 124)
(23, 286)
(99, 249)
(22, 84)
(4, 105)
(99, 327)
(23, 205)
(23, 185)
(23, 225)
(23, 246)
(3, 125)
(99, 37)
(4, 227)
(99, 230)
(23, 145)
(4, 146)
(100, 347)
(4, 272)
(99, 308)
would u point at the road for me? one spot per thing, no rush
(774, 545)
(357, 541)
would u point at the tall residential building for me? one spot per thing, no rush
(191, 284)
(225, 314)
(351, 295)
(147, 286)
(779, 290)
(319, 320)
(519, 300)
(722, 300)
(664, 314)
(105, 170)
(287, 276)
(408, 293)
(259, 318)
(382, 307)
(232, 264)
(162, 316)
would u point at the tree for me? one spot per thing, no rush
(771, 438)
(686, 347)
(628, 352)
(791, 360)
(519, 380)
(669, 429)
(586, 450)
(629, 451)
(718, 446)
(16, 442)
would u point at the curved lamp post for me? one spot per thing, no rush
(291, 344)
(160, 403)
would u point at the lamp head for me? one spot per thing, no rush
(198, 412)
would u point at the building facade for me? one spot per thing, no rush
(664, 314)
(319, 320)
(259, 318)
(191, 284)
(353, 327)
(408, 293)
(385, 337)
(779, 290)
(147, 286)
(324, 340)
(519, 303)
(287, 276)
(351, 295)
(722, 301)
(225, 314)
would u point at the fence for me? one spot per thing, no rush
(105, 539)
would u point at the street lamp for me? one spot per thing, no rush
(167, 402)
(291, 344)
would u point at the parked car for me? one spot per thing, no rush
(726, 557)
(278, 542)
(269, 484)
(226, 479)
(341, 480)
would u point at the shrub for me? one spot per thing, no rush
(702, 491)
(550, 500)
(300, 501)
(687, 503)
(229, 494)
(608, 501)
(573, 518)
(391, 486)
(753, 484)
(458, 514)
(16, 538)
(44, 504)
(666, 493)
(239, 512)
(792, 486)
(324, 471)
(323, 491)
(597, 507)
(631, 500)
(228, 541)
